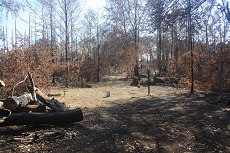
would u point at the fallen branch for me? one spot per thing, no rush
(18, 84)
(32, 91)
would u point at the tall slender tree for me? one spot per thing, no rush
(130, 16)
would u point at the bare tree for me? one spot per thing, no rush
(10, 6)
(130, 17)
(6, 7)
(90, 31)
(157, 16)
(224, 7)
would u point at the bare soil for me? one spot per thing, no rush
(170, 120)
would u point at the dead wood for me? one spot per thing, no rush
(30, 108)
(136, 82)
(54, 95)
(33, 93)
(51, 103)
(3, 114)
(2, 84)
(50, 118)
(1, 104)
(12, 103)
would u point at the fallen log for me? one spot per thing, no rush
(169, 80)
(30, 108)
(51, 103)
(53, 95)
(50, 118)
(1, 104)
(3, 114)
(12, 103)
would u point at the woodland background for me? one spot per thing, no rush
(185, 39)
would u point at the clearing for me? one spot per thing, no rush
(170, 120)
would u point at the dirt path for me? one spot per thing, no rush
(170, 120)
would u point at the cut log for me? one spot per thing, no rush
(2, 84)
(1, 104)
(51, 103)
(3, 114)
(50, 118)
(12, 103)
(30, 108)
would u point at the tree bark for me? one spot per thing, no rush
(50, 118)
(32, 84)
(12, 103)
(32, 91)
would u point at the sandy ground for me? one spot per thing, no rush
(169, 120)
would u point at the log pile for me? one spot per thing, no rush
(35, 108)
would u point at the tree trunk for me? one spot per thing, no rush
(14, 102)
(190, 45)
(51, 118)
(66, 43)
(32, 91)
(136, 70)
(30, 108)
(148, 72)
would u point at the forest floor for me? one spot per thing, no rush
(170, 120)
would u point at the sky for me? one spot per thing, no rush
(23, 26)
(94, 4)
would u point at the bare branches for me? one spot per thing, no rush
(17, 85)
(10, 6)
(225, 9)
